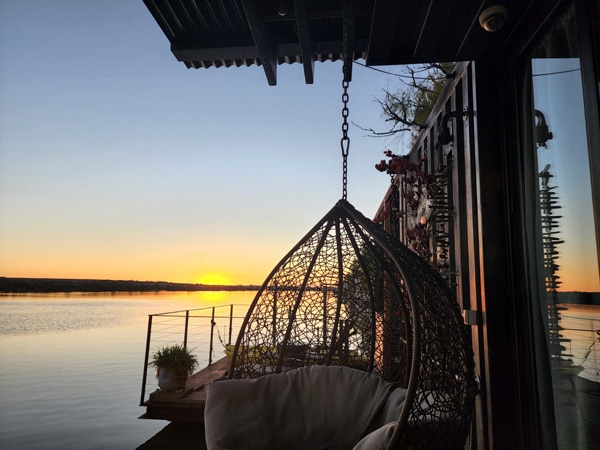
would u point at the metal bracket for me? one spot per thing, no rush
(471, 317)
(444, 136)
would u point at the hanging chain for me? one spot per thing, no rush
(345, 141)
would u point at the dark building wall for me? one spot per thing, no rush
(490, 195)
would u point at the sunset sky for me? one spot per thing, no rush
(557, 82)
(118, 162)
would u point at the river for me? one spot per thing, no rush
(71, 366)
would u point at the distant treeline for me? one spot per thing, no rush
(578, 298)
(33, 285)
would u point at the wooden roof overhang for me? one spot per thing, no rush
(267, 33)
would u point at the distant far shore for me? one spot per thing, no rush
(41, 285)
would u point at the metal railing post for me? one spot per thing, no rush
(230, 323)
(146, 357)
(185, 332)
(212, 328)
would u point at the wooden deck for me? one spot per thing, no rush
(186, 406)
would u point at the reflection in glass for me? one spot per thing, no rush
(568, 293)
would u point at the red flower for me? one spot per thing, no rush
(382, 166)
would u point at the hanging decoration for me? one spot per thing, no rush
(414, 185)
(420, 201)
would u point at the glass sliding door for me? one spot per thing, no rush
(561, 240)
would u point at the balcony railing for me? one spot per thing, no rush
(205, 331)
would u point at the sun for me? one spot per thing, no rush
(218, 279)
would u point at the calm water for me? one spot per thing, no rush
(71, 367)
(581, 326)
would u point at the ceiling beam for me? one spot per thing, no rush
(349, 57)
(194, 53)
(306, 40)
(424, 23)
(322, 10)
(262, 41)
(383, 30)
(440, 28)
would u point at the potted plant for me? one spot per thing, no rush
(174, 364)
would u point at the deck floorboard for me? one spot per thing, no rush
(188, 405)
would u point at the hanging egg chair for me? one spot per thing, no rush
(349, 294)
(353, 341)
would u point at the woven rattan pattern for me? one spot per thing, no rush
(350, 294)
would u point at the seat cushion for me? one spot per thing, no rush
(378, 439)
(313, 407)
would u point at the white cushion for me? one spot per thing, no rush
(313, 407)
(378, 439)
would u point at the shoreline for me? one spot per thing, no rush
(55, 285)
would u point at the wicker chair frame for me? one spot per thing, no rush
(350, 294)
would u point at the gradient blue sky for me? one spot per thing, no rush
(118, 162)
(557, 83)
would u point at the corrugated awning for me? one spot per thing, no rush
(215, 33)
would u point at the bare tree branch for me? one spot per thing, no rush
(407, 109)
(373, 133)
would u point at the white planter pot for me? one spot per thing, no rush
(168, 381)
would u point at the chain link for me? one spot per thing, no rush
(345, 141)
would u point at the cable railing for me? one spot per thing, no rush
(582, 342)
(204, 331)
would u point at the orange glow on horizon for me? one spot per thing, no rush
(576, 280)
(578, 270)
(215, 278)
